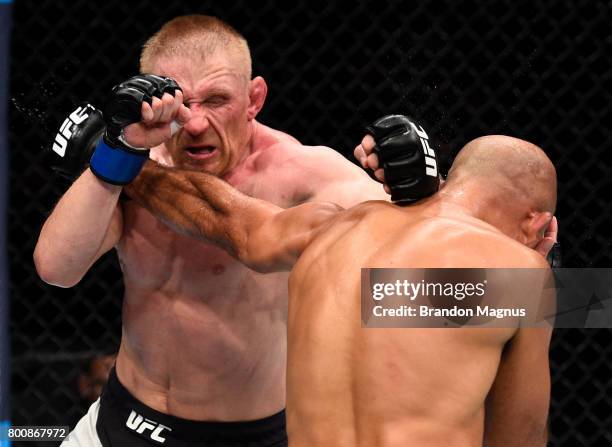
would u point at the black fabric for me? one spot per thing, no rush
(121, 416)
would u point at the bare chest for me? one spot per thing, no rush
(155, 257)
(152, 256)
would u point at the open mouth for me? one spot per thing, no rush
(201, 152)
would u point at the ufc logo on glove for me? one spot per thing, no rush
(65, 132)
(431, 167)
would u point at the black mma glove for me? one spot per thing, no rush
(114, 160)
(409, 163)
(76, 140)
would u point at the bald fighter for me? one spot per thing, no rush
(349, 386)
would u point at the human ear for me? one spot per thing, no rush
(258, 89)
(534, 226)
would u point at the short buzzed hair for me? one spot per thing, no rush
(514, 168)
(194, 36)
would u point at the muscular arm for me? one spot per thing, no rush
(259, 234)
(517, 405)
(516, 409)
(86, 223)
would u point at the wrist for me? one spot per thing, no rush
(117, 165)
(92, 178)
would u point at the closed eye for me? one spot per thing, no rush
(211, 101)
(216, 100)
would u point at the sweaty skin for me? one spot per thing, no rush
(350, 386)
(203, 337)
(194, 318)
(388, 387)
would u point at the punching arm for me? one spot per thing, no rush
(261, 235)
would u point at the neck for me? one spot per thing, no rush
(244, 165)
(463, 202)
(472, 201)
(253, 140)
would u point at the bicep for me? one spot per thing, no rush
(518, 402)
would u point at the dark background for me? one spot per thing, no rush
(539, 70)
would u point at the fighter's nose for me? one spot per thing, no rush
(198, 123)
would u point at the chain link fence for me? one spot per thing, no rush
(536, 70)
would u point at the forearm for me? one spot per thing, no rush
(516, 435)
(73, 235)
(200, 205)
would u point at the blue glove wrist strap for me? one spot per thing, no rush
(116, 165)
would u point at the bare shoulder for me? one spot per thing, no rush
(317, 173)
(376, 210)
(299, 156)
(278, 149)
(453, 242)
(374, 219)
(516, 254)
(314, 173)
(495, 249)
